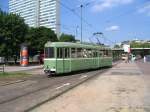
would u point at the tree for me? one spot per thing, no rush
(67, 38)
(117, 46)
(12, 33)
(37, 37)
(140, 45)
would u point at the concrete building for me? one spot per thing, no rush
(38, 12)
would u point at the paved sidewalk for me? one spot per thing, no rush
(121, 89)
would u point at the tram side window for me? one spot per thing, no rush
(105, 53)
(109, 53)
(46, 52)
(73, 53)
(90, 54)
(101, 53)
(67, 53)
(79, 53)
(63, 53)
(49, 52)
(84, 53)
(59, 52)
(95, 54)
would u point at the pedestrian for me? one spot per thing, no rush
(144, 59)
(127, 58)
(133, 58)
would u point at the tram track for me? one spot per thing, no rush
(66, 90)
(48, 87)
(23, 80)
(28, 93)
(10, 83)
(74, 81)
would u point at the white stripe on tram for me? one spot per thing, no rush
(74, 58)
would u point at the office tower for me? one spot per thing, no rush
(38, 12)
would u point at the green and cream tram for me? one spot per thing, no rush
(65, 57)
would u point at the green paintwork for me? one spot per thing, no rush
(75, 64)
(73, 45)
(69, 65)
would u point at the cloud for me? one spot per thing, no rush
(145, 9)
(113, 28)
(101, 5)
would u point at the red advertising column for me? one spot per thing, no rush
(24, 58)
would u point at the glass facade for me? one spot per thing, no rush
(38, 12)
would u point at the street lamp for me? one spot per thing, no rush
(81, 6)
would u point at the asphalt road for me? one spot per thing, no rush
(123, 88)
(27, 94)
(145, 68)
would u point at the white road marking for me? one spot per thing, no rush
(84, 76)
(67, 84)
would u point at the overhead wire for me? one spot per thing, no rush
(73, 11)
(88, 3)
(70, 9)
(90, 25)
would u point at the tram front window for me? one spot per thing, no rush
(49, 52)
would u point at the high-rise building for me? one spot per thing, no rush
(38, 12)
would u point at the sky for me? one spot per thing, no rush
(118, 20)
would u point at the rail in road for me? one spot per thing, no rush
(28, 94)
(17, 95)
(33, 77)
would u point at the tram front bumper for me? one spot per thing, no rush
(50, 71)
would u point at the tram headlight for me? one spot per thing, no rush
(53, 69)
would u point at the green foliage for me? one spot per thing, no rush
(67, 38)
(12, 33)
(140, 45)
(117, 46)
(37, 37)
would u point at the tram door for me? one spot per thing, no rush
(66, 59)
(63, 60)
(60, 60)
(95, 61)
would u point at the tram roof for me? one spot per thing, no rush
(74, 45)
